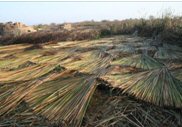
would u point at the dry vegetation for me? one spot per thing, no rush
(50, 36)
(53, 83)
(168, 28)
(92, 78)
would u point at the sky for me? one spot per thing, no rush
(32, 13)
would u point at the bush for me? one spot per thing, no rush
(167, 28)
(43, 37)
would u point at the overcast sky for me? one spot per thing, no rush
(58, 12)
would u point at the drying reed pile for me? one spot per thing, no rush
(57, 84)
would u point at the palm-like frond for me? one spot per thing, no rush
(139, 61)
(88, 62)
(27, 73)
(148, 48)
(13, 93)
(157, 86)
(64, 99)
(172, 47)
(164, 53)
(178, 73)
(128, 48)
(60, 97)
